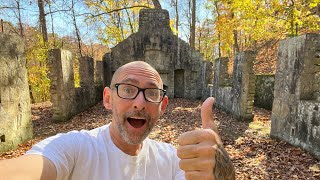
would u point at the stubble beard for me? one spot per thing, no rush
(133, 138)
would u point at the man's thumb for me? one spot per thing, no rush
(207, 115)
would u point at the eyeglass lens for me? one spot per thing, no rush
(128, 91)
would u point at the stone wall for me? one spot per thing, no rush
(296, 106)
(15, 109)
(66, 99)
(236, 95)
(179, 66)
(264, 91)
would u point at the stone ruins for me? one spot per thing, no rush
(15, 108)
(66, 99)
(182, 69)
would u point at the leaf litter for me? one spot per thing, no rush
(254, 154)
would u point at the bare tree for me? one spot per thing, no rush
(52, 26)
(19, 18)
(193, 25)
(43, 22)
(219, 35)
(76, 27)
(174, 3)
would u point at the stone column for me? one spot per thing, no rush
(98, 72)
(15, 109)
(107, 69)
(243, 89)
(62, 84)
(86, 71)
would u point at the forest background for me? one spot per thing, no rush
(216, 28)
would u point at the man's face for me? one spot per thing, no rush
(135, 118)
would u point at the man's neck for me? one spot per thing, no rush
(116, 138)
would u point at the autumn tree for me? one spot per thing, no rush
(116, 20)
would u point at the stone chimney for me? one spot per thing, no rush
(153, 20)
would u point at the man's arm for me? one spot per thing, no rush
(27, 167)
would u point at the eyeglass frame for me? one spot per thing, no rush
(139, 90)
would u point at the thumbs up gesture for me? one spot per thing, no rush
(201, 151)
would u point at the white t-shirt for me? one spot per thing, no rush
(93, 155)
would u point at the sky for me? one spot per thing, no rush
(62, 21)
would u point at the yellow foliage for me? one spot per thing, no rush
(39, 82)
(257, 22)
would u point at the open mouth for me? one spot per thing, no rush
(136, 122)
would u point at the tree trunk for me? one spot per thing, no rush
(42, 19)
(76, 29)
(219, 36)
(177, 17)
(52, 27)
(193, 25)
(156, 4)
(174, 3)
(19, 18)
(236, 44)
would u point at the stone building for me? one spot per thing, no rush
(15, 109)
(181, 68)
(296, 106)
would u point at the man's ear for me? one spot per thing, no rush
(164, 104)
(107, 100)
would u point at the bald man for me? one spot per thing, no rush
(121, 149)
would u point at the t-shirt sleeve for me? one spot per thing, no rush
(61, 150)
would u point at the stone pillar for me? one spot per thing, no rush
(98, 73)
(295, 113)
(107, 69)
(86, 71)
(15, 109)
(243, 90)
(62, 84)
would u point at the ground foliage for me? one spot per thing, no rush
(254, 154)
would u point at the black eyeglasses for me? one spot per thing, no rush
(129, 91)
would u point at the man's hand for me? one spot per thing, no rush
(201, 151)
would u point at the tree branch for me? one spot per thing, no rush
(61, 10)
(115, 10)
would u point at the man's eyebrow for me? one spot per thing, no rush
(152, 84)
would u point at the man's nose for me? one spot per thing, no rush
(139, 102)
